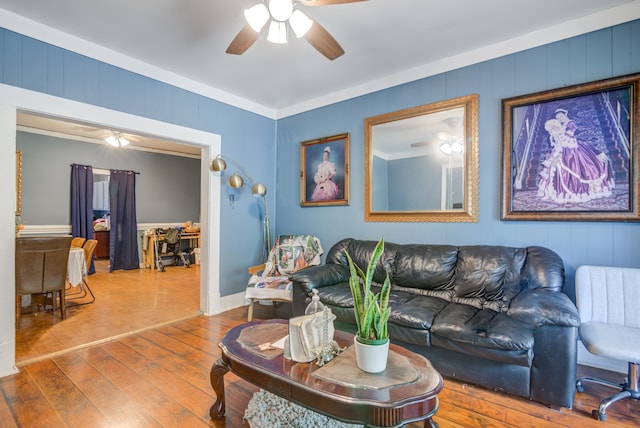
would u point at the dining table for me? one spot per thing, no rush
(76, 266)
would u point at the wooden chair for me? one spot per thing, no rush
(89, 248)
(78, 241)
(41, 267)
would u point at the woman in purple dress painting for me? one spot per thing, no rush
(574, 171)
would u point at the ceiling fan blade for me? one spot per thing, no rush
(326, 2)
(324, 42)
(243, 41)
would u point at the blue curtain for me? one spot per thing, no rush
(82, 203)
(123, 238)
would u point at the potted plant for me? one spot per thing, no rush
(372, 314)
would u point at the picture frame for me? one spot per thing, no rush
(571, 154)
(18, 183)
(324, 171)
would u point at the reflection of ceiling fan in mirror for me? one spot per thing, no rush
(451, 142)
(282, 15)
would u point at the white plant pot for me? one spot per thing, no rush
(371, 358)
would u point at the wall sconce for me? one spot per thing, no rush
(258, 190)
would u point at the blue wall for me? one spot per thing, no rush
(31, 64)
(598, 55)
(167, 188)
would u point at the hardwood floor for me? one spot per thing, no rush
(126, 301)
(159, 377)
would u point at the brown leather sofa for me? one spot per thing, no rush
(489, 315)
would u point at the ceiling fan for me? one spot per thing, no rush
(283, 14)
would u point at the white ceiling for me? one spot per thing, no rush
(387, 42)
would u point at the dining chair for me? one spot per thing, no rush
(78, 241)
(89, 248)
(40, 268)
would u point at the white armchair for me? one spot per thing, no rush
(607, 300)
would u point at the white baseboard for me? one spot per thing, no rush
(232, 301)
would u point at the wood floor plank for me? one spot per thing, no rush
(29, 406)
(186, 349)
(175, 364)
(169, 384)
(113, 402)
(64, 396)
(159, 377)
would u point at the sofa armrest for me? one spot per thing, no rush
(544, 307)
(312, 277)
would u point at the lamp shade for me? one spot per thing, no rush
(236, 181)
(277, 32)
(257, 16)
(259, 189)
(218, 164)
(300, 23)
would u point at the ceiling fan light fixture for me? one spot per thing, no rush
(446, 148)
(111, 139)
(281, 10)
(257, 16)
(277, 32)
(117, 140)
(300, 23)
(457, 147)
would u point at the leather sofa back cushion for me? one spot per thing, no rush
(361, 252)
(427, 267)
(487, 272)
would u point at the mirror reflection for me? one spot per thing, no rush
(421, 163)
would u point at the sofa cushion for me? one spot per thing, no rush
(488, 276)
(482, 327)
(414, 311)
(430, 267)
(337, 295)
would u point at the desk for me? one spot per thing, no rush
(148, 246)
(76, 267)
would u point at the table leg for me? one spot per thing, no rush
(430, 423)
(218, 370)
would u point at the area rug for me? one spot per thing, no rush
(266, 410)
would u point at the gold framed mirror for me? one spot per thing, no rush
(421, 163)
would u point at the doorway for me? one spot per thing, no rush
(16, 99)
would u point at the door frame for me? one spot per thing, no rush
(14, 99)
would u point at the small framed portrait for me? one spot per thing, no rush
(571, 154)
(324, 171)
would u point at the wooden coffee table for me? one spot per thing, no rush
(389, 406)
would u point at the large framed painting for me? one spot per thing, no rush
(324, 171)
(571, 154)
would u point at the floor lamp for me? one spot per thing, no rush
(258, 190)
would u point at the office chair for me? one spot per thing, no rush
(607, 300)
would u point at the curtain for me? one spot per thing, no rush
(123, 239)
(82, 204)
